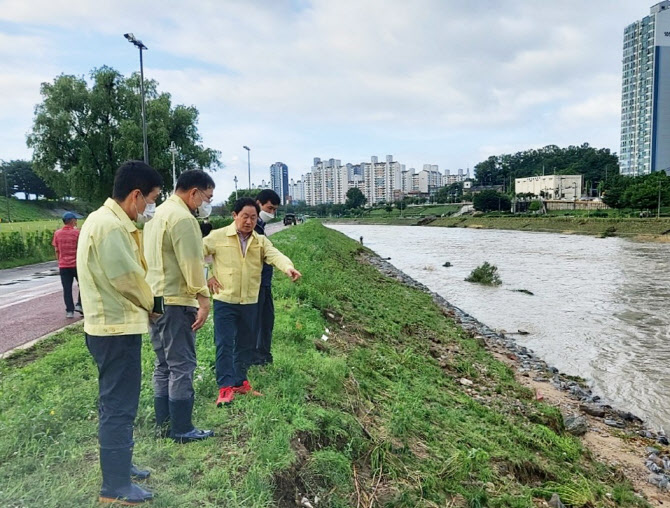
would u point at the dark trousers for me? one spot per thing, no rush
(119, 372)
(266, 322)
(67, 276)
(173, 340)
(235, 332)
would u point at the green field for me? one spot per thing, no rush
(414, 211)
(373, 416)
(36, 225)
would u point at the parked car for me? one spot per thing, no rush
(289, 219)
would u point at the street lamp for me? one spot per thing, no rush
(140, 45)
(235, 180)
(248, 162)
(174, 151)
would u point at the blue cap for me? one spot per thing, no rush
(68, 216)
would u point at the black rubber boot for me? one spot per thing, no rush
(162, 410)
(183, 430)
(116, 485)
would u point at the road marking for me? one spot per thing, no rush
(36, 293)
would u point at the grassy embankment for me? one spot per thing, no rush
(374, 416)
(584, 225)
(601, 226)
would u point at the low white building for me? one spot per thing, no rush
(551, 186)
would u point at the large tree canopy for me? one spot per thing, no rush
(355, 198)
(22, 178)
(82, 134)
(595, 164)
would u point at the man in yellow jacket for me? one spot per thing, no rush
(173, 246)
(117, 302)
(238, 254)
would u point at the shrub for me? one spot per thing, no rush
(485, 274)
(219, 222)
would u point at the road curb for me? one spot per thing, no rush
(31, 343)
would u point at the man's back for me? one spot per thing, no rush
(65, 241)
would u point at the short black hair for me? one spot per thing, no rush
(242, 202)
(268, 195)
(135, 175)
(195, 178)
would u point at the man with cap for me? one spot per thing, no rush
(65, 243)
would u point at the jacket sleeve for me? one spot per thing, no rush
(272, 256)
(187, 243)
(208, 245)
(118, 259)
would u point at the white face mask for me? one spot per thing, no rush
(147, 215)
(204, 210)
(266, 216)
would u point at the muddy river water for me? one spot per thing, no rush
(600, 307)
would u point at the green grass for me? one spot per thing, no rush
(21, 210)
(374, 415)
(610, 226)
(36, 225)
(414, 211)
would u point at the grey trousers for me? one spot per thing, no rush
(174, 344)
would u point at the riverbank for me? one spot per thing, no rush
(639, 229)
(377, 397)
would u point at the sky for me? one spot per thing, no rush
(446, 82)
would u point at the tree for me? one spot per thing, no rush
(596, 165)
(81, 135)
(355, 198)
(22, 178)
(241, 193)
(449, 193)
(490, 200)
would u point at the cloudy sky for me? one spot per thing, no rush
(445, 82)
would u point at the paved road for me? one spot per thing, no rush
(31, 302)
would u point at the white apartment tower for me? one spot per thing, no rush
(645, 94)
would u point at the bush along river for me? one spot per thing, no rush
(590, 307)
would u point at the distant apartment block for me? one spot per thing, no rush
(379, 181)
(279, 180)
(645, 95)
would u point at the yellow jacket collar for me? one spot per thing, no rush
(231, 230)
(180, 202)
(123, 217)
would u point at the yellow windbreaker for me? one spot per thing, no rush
(111, 269)
(240, 275)
(173, 247)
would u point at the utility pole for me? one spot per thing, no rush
(173, 150)
(658, 211)
(4, 170)
(235, 180)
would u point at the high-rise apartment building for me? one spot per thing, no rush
(645, 94)
(279, 180)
